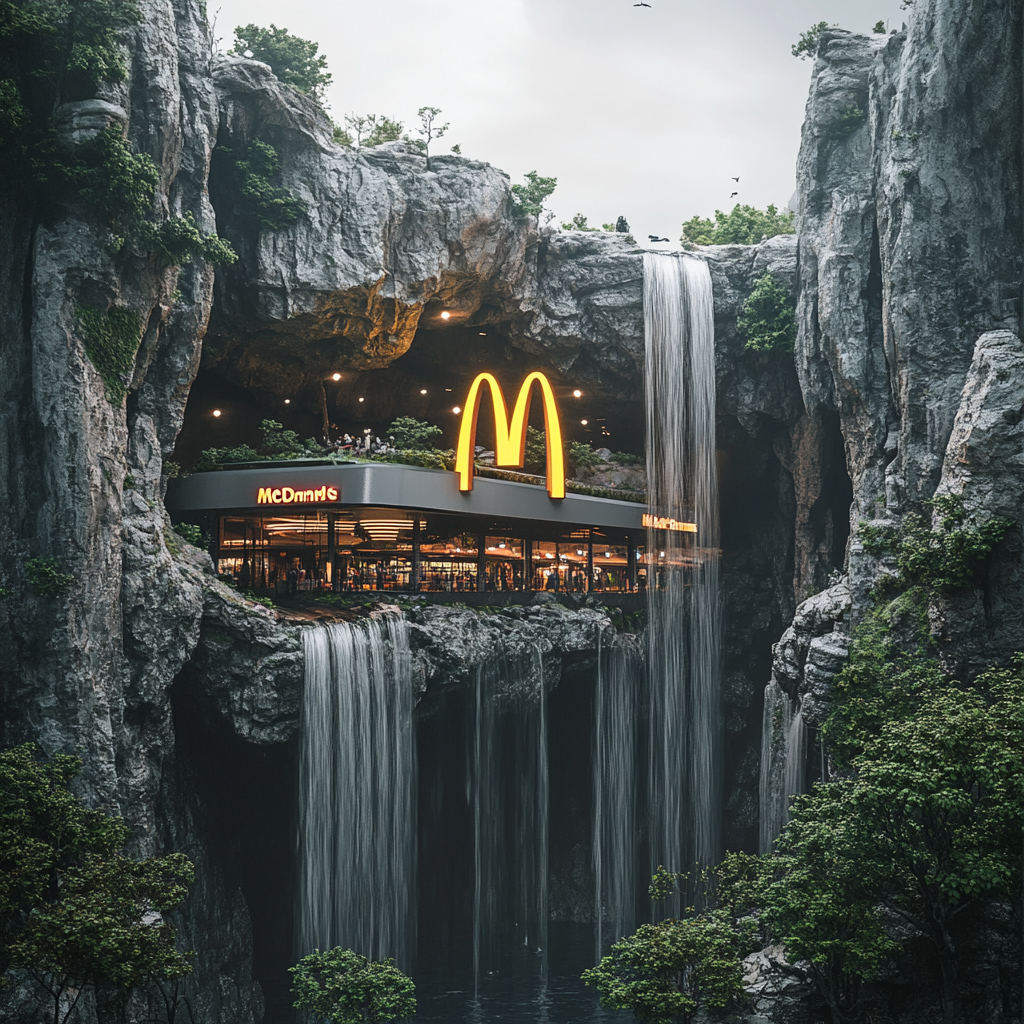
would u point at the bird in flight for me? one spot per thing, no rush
(655, 238)
(641, 4)
(736, 179)
(734, 195)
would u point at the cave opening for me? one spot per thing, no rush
(303, 384)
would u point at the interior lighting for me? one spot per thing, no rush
(423, 391)
(446, 315)
(483, 334)
(577, 393)
(457, 410)
(362, 399)
(662, 555)
(335, 376)
(216, 412)
(287, 401)
(584, 422)
(579, 551)
(502, 544)
(548, 554)
(607, 554)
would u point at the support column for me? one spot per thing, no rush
(631, 563)
(481, 562)
(527, 564)
(590, 559)
(332, 559)
(414, 579)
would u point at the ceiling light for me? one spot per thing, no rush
(335, 376)
(287, 401)
(662, 555)
(579, 551)
(577, 393)
(483, 334)
(362, 399)
(445, 315)
(502, 544)
(216, 412)
(423, 391)
(456, 410)
(607, 554)
(584, 422)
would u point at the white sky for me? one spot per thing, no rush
(646, 112)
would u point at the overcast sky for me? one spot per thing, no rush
(645, 112)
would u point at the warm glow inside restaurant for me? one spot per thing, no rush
(384, 527)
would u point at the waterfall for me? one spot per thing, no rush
(356, 784)
(684, 637)
(614, 839)
(783, 762)
(509, 798)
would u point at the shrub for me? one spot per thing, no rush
(111, 342)
(293, 60)
(342, 987)
(768, 321)
(45, 577)
(579, 223)
(194, 535)
(179, 240)
(849, 121)
(104, 171)
(744, 225)
(410, 434)
(807, 45)
(251, 169)
(581, 455)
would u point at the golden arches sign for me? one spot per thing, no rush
(510, 438)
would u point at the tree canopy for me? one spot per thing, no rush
(743, 225)
(294, 60)
(767, 321)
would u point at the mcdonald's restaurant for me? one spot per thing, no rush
(342, 524)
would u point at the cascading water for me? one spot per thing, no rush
(615, 825)
(509, 798)
(357, 822)
(783, 762)
(684, 652)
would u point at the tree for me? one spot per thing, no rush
(823, 901)
(279, 443)
(665, 973)
(744, 225)
(879, 28)
(768, 321)
(529, 199)
(293, 60)
(74, 911)
(579, 223)
(535, 452)
(410, 434)
(582, 455)
(342, 987)
(428, 130)
(368, 130)
(807, 45)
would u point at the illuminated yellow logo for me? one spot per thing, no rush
(664, 523)
(510, 440)
(291, 496)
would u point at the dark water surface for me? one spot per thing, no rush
(523, 986)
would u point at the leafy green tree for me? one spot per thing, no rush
(74, 912)
(666, 972)
(411, 434)
(279, 443)
(529, 199)
(807, 45)
(823, 903)
(536, 451)
(251, 169)
(744, 225)
(879, 28)
(768, 321)
(368, 130)
(341, 987)
(295, 61)
(581, 455)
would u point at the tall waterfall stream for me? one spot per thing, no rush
(641, 738)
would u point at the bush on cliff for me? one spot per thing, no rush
(293, 60)
(743, 225)
(767, 321)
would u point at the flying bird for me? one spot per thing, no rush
(734, 195)
(735, 179)
(655, 238)
(641, 4)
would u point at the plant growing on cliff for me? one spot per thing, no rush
(178, 240)
(111, 342)
(428, 130)
(579, 223)
(294, 60)
(743, 225)
(250, 170)
(341, 987)
(46, 578)
(368, 130)
(809, 41)
(767, 321)
(847, 122)
(75, 913)
(529, 199)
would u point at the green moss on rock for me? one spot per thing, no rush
(111, 341)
